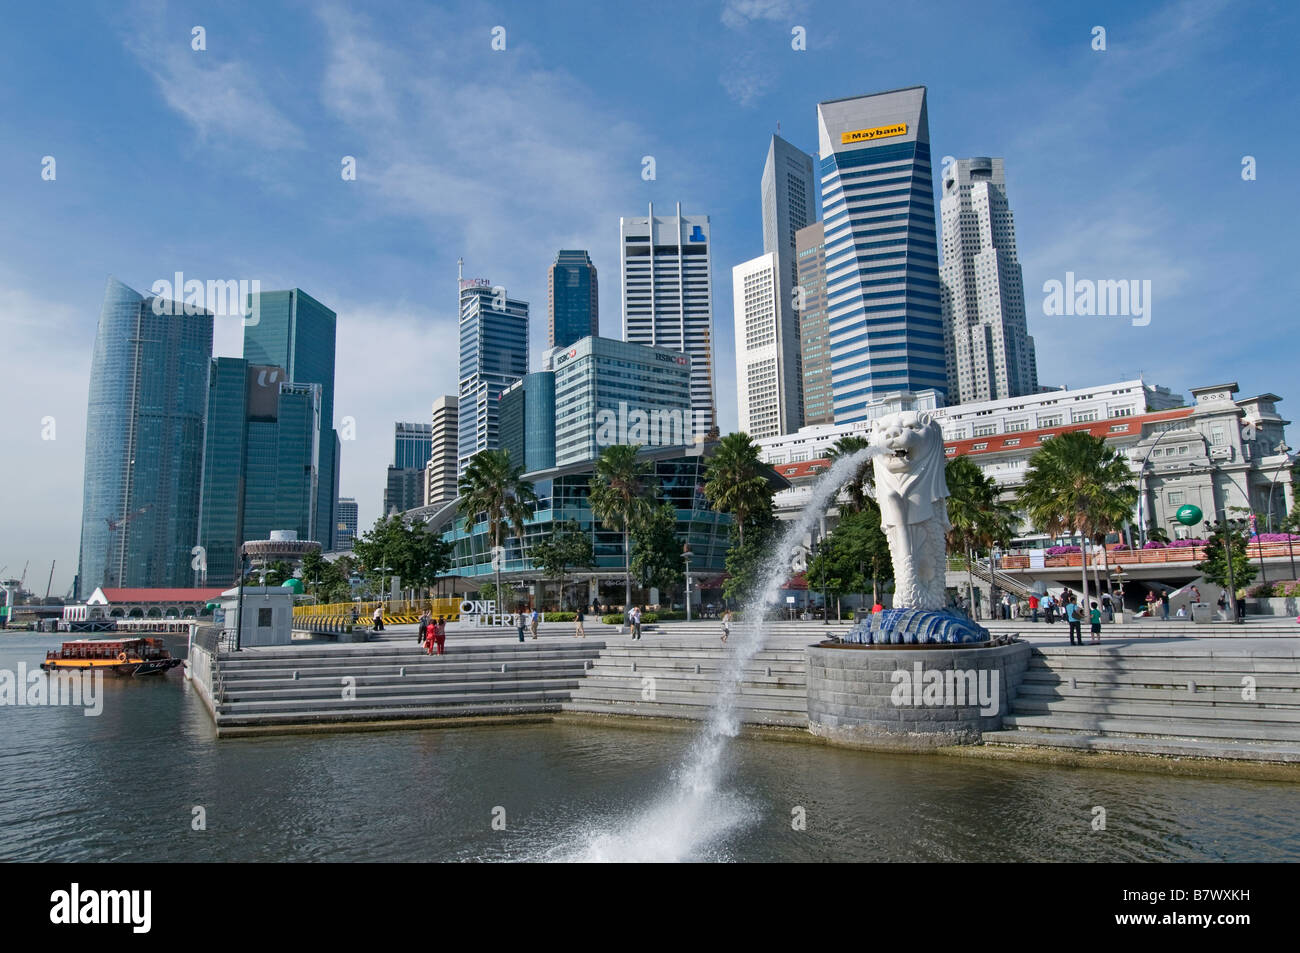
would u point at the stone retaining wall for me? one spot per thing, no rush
(856, 699)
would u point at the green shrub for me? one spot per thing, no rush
(617, 618)
(1262, 590)
(560, 616)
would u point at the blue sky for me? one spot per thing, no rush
(225, 163)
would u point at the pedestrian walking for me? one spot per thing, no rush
(578, 631)
(1074, 616)
(1033, 607)
(440, 633)
(1006, 606)
(1095, 629)
(1241, 605)
(1223, 605)
(379, 619)
(726, 625)
(1164, 605)
(425, 619)
(1049, 608)
(636, 622)
(533, 619)
(1108, 606)
(519, 623)
(430, 636)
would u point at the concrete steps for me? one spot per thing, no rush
(684, 683)
(380, 682)
(1160, 698)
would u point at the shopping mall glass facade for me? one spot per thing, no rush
(563, 495)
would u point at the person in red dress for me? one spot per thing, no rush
(440, 633)
(430, 636)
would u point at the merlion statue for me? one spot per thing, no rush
(913, 498)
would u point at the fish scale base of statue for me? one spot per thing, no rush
(917, 627)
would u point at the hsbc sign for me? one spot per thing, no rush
(565, 358)
(670, 358)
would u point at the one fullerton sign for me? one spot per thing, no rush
(482, 612)
(870, 135)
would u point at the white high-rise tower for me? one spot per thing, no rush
(986, 334)
(668, 295)
(754, 289)
(789, 204)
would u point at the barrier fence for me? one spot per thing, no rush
(336, 616)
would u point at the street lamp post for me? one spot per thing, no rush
(239, 610)
(1229, 530)
(686, 557)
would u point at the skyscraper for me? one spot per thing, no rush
(814, 335)
(528, 421)
(261, 461)
(789, 204)
(761, 370)
(573, 298)
(297, 333)
(611, 392)
(990, 352)
(144, 442)
(346, 531)
(668, 295)
(412, 444)
(440, 474)
(493, 355)
(405, 487)
(882, 264)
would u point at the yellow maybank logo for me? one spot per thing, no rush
(880, 132)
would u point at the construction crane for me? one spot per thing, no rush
(49, 583)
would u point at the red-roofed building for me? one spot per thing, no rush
(115, 603)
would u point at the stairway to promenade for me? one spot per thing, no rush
(314, 684)
(1231, 699)
(658, 679)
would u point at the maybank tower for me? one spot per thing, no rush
(884, 312)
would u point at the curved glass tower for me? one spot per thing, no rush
(144, 442)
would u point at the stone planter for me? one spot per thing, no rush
(1280, 606)
(885, 698)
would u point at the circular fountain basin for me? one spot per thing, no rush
(911, 697)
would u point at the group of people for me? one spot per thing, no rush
(432, 633)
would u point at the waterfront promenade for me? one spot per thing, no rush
(1176, 690)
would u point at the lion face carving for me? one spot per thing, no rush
(912, 494)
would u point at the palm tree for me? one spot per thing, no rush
(1076, 483)
(978, 518)
(736, 480)
(864, 478)
(620, 495)
(491, 487)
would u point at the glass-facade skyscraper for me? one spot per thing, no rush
(412, 444)
(493, 355)
(261, 461)
(882, 263)
(297, 333)
(609, 391)
(144, 442)
(574, 299)
(528, 421)
(814, 336)
(346, 510)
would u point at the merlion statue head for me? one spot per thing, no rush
(910, 468)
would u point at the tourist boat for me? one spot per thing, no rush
(125, 657)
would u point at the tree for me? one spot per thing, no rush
(567, 547)
(400, 547)
(861, 550)
(657, 560)
(1214, 567)
(1076, 483)
(746, 559)
(736, 481)
(977, 518)
(276, 573)
(863, 482)
(621, 491)
(492, 488)
(1156, 534)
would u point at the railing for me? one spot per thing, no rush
(1155, 556)
(395, 611)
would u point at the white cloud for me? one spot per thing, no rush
(737, 14)
(747, 79)
(221, 98)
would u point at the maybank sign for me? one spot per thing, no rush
(869, 135)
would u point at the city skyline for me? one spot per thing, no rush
(1087, 116)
